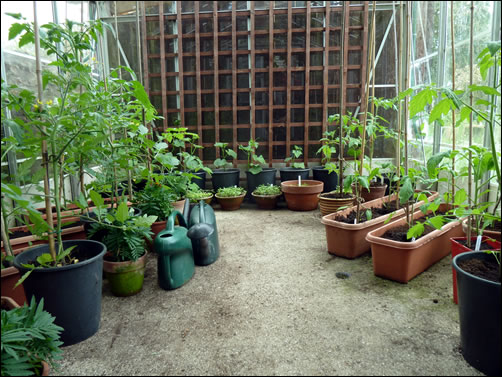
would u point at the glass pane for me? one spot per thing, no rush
(261, 98)
(354, 57)
(261, 42)
(280, 4)
(243, 80)
(190, 100)
(152, 28)
(297, 132)
(279, 115)
(317, 39)
(279, 97)
(209, 136)
(226, 118)
(297, 78)
(243, 135)
(226, 135)
(170, 45)
(206, 63)
(355, 38)
(242, 61)
(171, 83)
(298, 97)
(334, 58)
(356, 18)
(242, 23)
(224, 5)
(316, 77)
(334, 77)
(297, 115)
(225, 62)
(243, 117)
(155, 84)
(242, 42)
(280, 21)
(208, 118)
(188, 44)
(188, 26)
(154, 65)
(298, 40)
(261, 61)
(243, 99)
(261, 116)
(315, 114)
(280, 40)
(299, 21)
(261, 4)
(153, 46)
(315, 132)
(261, 79)
(280, 78)
(225, 99)
(280, 60)
(206, 25)
(335, 38)
(206, 44)
(261, 22)
(172, 119)
(298, 59)
(262, 134)
(316, 59)
(207, 81)
(170, 64)
(207, 100)
(172, 101)
(279, 134)
(317, 20)
(206, 6)
(335, 19)
(354, 76)
(187, 7)
(189, 64)
(241, 5)
(225, 81)
(225, 24)
(278, 151)
(225, 43)
(191, 118)
(333, 95)
(315, 96)
(317, 3)
(170, 27)
(353, 94)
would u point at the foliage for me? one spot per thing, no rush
(295, 154)
(225, 152)
(255, 162)
(230, 192)
(267, 190)
(29, 335)
(155, 200)
(197, 195)
(125, 233)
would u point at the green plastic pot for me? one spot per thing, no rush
(125, 278)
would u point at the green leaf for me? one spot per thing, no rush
(122, 212)
(460, 197)
(406, 191)
(96, 198)
(437, 221)
(442, 108)
(255, 169)
(415, 231)
(44, 259)
(433, 163)
(142, 130)
(15, 30)
(485, 89)
(232, 153)
(26, 38)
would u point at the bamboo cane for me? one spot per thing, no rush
(453, 88)
(342, 99)
(469, 175)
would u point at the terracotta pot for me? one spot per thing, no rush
(375, 192)
(125, 278)
(208, 200)
(349, 240)
(302, 198)
(489, 233)
(402, 261)
(266, 201)
(179, 205)
(458, 248)
(331, 205)
(231, 203)
(156, 227)
(10, 277)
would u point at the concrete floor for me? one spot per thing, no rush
(272, 305)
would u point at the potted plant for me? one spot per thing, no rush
(196, 196)
(125, 238)
(302, 195)
(30, 339)
(296, 169)
(230, 198)
(256, 174)
(224, 175)
(266, 196)
(327, 171)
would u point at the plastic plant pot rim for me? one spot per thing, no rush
(375, 235)
(312, 187)
(225, 171)
(328, 219)
(109, 266)
(63, 268)
(471, 255)
(266, 196)
(263, 170)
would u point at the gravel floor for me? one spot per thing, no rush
(272, 305)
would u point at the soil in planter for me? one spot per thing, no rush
(399, 233)
(375, 212)
(76, 253)
(484, 245)
(336, 195)
(495, 227)
(486, 269)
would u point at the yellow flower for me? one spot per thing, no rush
(35, 107)
(39, 102)
(49, 102)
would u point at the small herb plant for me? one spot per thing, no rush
(198, 195)
(230, 192)
(254, 162)
(155, 200)
(225, 152)
(296, 153)
(29, 336)
(267, 190)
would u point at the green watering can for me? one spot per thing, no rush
(203, 232)
(175, 256)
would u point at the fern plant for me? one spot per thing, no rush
(29, 336)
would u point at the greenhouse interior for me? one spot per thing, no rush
(151, 151)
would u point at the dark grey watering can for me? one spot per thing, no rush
(204, 234)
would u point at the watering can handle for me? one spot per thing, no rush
(202, 216)
(186, 210)
(170, 220)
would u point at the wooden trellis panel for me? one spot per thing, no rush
(230, 73)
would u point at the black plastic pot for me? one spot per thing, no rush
(71, 293)
(225, 178)
(201, 181)
(480, 317)
(330, 179)
(290, 174)
(265, 177)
